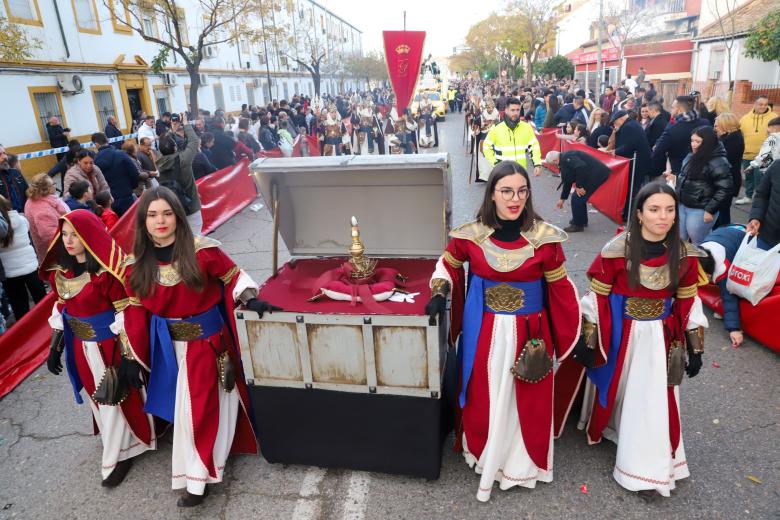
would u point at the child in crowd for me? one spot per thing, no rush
(104, 211)
(80, 196)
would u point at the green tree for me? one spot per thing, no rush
(15, 44)
(558, 66)
(533, 26)
(764, 40)
(369, 67)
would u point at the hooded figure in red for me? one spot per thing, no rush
(85, 267)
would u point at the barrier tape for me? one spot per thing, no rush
(62, 149)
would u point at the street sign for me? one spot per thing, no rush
(503, 73)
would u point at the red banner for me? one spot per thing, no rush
(611, 196)
(547, 140)
(403, 55)
(26, 344)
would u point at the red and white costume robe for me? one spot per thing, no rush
(506, 423)
(125, 430)
(642, 413)
(209, 423)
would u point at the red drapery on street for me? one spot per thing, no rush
(611, 196)
(26, 345)
(403, 55)
(547, 140)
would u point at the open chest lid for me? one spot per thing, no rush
(402, 202)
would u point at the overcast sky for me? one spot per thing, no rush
(446, 23)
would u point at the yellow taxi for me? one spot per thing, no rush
(438, 102)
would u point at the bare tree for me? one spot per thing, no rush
(164, 22)
(624, 24)
(727, 26)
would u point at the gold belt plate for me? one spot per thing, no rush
(185, 330)
(81, 329)
(504, 298)
(644, 308)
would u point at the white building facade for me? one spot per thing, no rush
(91, 66)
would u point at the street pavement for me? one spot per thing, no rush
(49, 459)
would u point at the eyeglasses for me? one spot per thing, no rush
(509, 194)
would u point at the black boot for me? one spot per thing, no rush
(118, 475)
(190, 500)
(574, 229)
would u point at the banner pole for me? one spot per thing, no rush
(631, 188)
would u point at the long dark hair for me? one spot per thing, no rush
(487, 210)
(69, 261)
(144, 275)
(5, 207)
(700, 158)
(635, 245)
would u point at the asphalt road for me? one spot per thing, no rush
(49, 460)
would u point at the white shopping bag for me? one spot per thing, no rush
(753, 272)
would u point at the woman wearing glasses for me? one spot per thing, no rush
(519, 311)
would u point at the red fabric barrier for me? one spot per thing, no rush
(611, 196)
(313, 144)
(547, 140)
(758, 321)
(26, 345)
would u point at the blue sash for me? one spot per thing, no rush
(161, 391)
(100, 323)
(472, 318)
(602, 376)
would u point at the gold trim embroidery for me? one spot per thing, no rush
(687, 291)
(504, 298)
(134, 301)
(599, 287)
(452, 261)
(127, 350)
(167, 275)
(228, 277)
(555, 274)
(68, 288)
(122, 304)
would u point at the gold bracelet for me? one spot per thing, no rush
(440, 287)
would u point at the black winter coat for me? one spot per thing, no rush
(120, 171)
(655, 129)
(583, 170)
(710, 187)
(630, 139)
(766, 205)
(734, 143)
(222, 151)
(675, 142)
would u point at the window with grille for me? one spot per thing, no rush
(149, 24)
(286, 92)
(48, 105)
(163, 105)
(219, 97)
(85, 15)
(22, 9)
(250, 94)
(105, 106)
(716, 64)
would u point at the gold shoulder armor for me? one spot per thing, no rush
(476, 232)
(692, 250)
(204, 242)
(55, 267)
(128, 260)
(544, 233)
(615, 248)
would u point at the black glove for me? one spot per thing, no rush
(54, 362)
(584, 355)
(694, 364)
(130, 372)
(435, 307)
(261, 307)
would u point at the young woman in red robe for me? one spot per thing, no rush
(520, 310)
(85, 269)
(182, 293)
(641, 311)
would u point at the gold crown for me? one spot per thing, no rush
(362, 267)
(403, 49)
